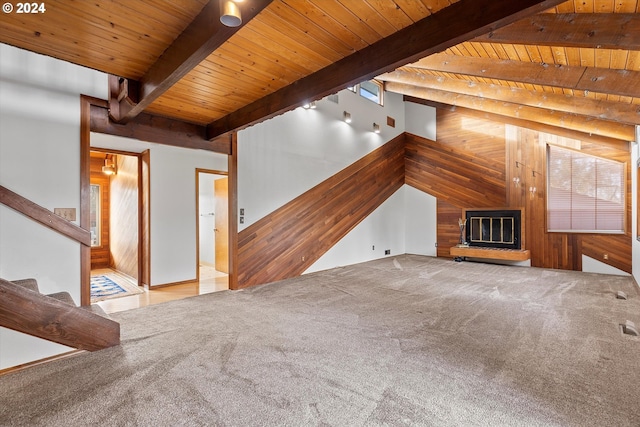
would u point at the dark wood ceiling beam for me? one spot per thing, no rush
(600, 80)
(160, 130)
(598, 108)
(571, 121)
(598, 31)
(203, 36)
(459, 22)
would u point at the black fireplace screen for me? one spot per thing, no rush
(494, 229)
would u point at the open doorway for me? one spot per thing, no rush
(212, 206)
(114, 224)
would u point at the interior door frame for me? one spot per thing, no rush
(144, 205)
(211, 172)
(141, 198)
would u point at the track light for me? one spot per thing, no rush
(347, 116)
(310, 105)
(109, 167)
(230, 13)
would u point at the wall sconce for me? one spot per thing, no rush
(230, 13)
(376, 128)
(310, 105)
(109, 167)
(516, 182)
(347, 116)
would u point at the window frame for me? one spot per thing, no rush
(358, 87)
(622, 189)
(98, 212)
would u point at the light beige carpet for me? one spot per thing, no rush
(408, 340)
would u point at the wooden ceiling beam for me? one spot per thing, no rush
(597, 31)
(203, 36)
(600, 80)
(585, 124)
(597, 108)
(160, 130)
(454, 24)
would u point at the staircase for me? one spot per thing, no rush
(55, 317)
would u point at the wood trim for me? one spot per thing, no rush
(35, 314)
(182, 282)
(198, 172)
(232, 165)
(85, 194)
(44, 216)
(28, 365)
(286, 242)
(145, 219)
(432, 34)
(490, 253)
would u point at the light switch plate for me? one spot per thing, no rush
(67, 213)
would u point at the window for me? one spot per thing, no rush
(94, 214)
(372, 90)
(584, 193)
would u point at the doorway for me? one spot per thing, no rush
(114, 224)
(212, 206)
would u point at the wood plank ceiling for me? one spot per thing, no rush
(173, 58)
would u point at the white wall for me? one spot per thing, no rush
(421, 221)
(40, 160)
(173, 203)
(283, 157)
(420, 120)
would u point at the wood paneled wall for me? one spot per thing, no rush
(526, 160)
(124, 216)
(286, 242)
(101, 255)
(473, 164)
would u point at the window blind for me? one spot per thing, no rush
(584, 193)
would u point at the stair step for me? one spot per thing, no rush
(63, 296)
(96, 309)
(31, 284)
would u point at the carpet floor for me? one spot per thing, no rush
(407, 340)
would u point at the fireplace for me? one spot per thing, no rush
(499, 228)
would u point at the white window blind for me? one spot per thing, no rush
(584, 193)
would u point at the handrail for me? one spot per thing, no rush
(44, 216)
(32, 313)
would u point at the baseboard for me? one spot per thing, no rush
(17, 368)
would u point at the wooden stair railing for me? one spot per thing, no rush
(44, 216)
(33, 313)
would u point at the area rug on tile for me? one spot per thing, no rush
(103, 287)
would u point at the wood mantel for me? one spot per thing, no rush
(491, 253)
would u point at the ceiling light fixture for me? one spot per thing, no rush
(311, 105)
(347, 116)
(109, 167)
(230, 13)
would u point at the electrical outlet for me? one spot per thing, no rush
(67, 213)
(606, 256)
(387, 251)
(241, 211)
(373, 248)
(241, 220)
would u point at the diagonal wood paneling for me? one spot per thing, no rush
(465, 167)
(286, 242)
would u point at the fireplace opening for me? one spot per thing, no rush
(494, 228)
